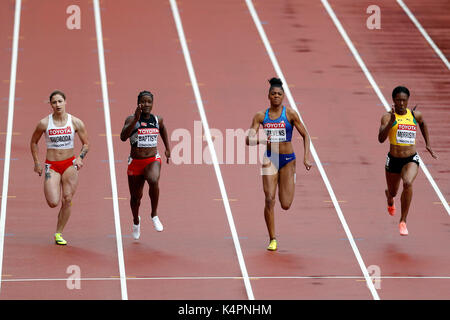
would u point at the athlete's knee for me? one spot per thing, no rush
(407, 184)
(135, 200)
(270, 201)
(286, 205)
(52, 203)
(153, 181)
(67, 199)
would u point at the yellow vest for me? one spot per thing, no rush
(403, 131)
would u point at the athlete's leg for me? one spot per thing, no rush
(69, 183)
(393, 183)
(270, 181)
(151, 175)
(52, 187)
(136, 186)
(286, 185)
(409, 174)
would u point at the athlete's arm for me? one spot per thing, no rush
(40, 129)
(424, 129)
(387, 120)
(252, 138)
(83, 135)
(305, 135)
(130, 122)
(164, 137)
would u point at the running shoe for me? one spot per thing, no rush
(157, 224)
(137, 230)
(391, 210)
(402, 229)
(59, 239)
(273, 245)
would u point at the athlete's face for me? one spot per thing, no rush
(58, 103)
(401, 102)
(146, 103)
(276, 96)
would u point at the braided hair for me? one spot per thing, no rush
(144, 93)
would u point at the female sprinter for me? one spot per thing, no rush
(61, 165)
(279, 160)
(402, 163)
(144, 163)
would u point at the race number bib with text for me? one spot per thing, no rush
(406, 134)
(276, 131)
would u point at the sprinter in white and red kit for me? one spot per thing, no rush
(61, 165)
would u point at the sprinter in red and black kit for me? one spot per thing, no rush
(144, 162)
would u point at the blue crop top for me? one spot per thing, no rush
(279, 130)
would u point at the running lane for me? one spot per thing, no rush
(6, 35)
(342, 110)
(314, 259)
(434, 18)
(53, 57)
(143, 53)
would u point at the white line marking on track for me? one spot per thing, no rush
(313, 151)
(12, 92)
(424, 33)
(235, 278)
(212, 150)
(101, 59)
(379, 94)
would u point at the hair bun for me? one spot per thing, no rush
(276, 82)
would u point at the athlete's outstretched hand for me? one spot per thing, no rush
(307, 164)
(78, 163)
(38, 169)
(167, 152)
(434, 155)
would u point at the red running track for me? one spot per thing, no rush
(194, 258)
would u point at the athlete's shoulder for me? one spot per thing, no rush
(417, 114)
(43, 123)
(291, 114)
(77, 122)
(260, 115)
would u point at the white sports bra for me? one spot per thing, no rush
(60, 137)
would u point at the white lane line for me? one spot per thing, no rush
(212, 150)
(424, 33)
(12, 93)
(313, 150)
(235, 278)
(112, 170)
(380, 95)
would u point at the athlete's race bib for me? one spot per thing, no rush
(406, 134)
(147, 137)
(276, 131)
(60, 138)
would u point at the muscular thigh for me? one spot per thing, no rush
(152, 172)
(287, 183)
(69, 181)
(52, 186)
(270, 184)
(409, 172)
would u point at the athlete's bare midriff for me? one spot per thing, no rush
(143, 153)
(402, 151)
(59, 154)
